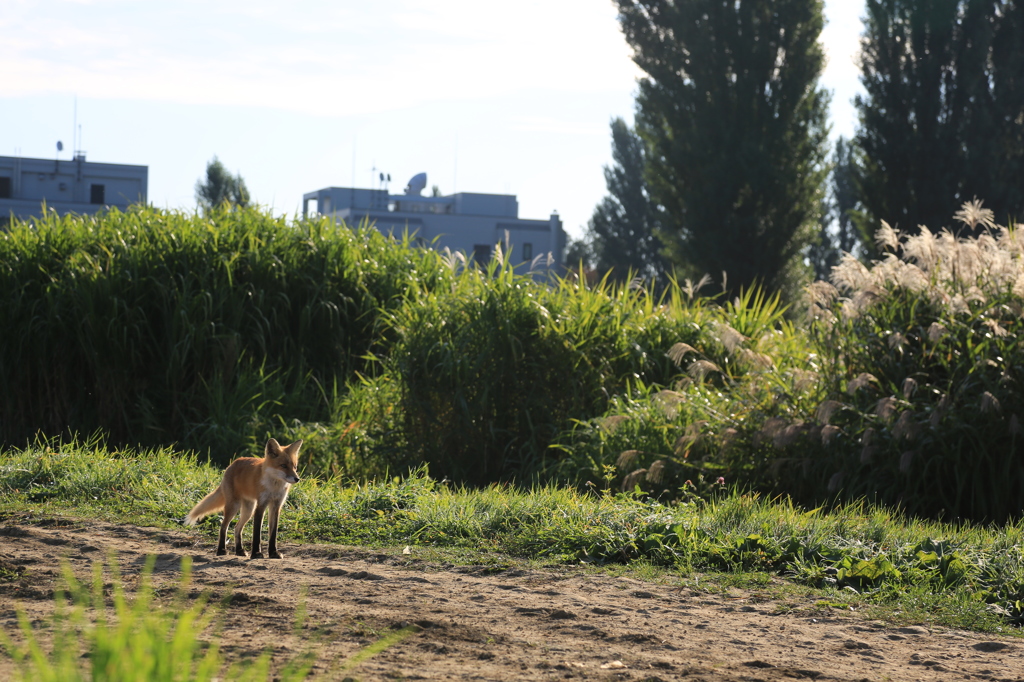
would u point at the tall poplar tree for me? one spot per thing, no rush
(735, 125)
(839, 233)
(1007, 63)
(622, 231)
(941, 117)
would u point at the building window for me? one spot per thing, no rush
(481, 253)
(527, 251)
(5, 188)
(96, 194)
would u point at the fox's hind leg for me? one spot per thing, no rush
(244, 515)
(230, 509)
(275, 513)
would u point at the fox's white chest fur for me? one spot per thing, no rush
(275, 487)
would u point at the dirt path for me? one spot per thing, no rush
(471, 623)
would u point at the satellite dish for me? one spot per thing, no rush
(60, 146)
(416, 184)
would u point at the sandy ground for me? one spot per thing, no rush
(476, 622)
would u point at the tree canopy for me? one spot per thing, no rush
(942, 116)
(221, 187)
(622, 233)
(735, 126)
(839, 233)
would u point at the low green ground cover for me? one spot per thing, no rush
(879, 555)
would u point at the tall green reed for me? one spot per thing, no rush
(491, 369)
(163, 326)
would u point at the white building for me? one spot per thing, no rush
(467, 222)
(75, 186)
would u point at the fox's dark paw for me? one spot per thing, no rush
(221, 552)
(256, 555)
(239, 552)
(276, 555)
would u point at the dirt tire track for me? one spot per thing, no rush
(473, 623)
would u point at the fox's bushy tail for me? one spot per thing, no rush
(208, 505)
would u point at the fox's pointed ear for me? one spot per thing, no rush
(294, 448)
(273, 448)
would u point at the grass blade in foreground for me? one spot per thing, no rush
(141, 642)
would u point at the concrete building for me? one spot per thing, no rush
(75, 186)
(467, 222)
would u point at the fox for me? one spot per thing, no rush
(252, 484)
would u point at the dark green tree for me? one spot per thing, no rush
(941, 117)
(736, 133)
(579, 251)
(623, 230)
(221, 187)
(844, 196)
(839, 233)
(1007, 63)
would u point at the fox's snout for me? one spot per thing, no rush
(288, 474)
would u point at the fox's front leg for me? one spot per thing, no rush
(257, 531)
(275, 512)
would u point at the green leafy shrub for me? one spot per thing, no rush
(362, 438)
(744, 366)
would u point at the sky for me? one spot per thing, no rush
(509, 98)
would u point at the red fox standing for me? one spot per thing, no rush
(252, 483)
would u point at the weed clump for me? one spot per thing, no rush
(923, 393)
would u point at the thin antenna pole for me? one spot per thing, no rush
(75, 130)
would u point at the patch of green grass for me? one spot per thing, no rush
(954, 574)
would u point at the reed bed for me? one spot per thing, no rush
(214, 332)
(162, 326)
